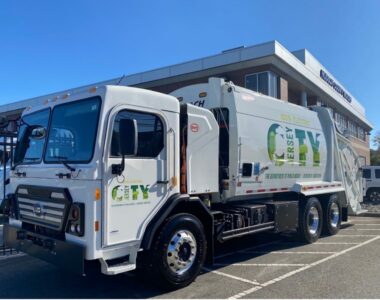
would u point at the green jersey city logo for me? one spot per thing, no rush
(130, 192)
(283, 141)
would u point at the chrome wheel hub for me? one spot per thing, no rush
(313, 220)
(334, 215)
(181, 252)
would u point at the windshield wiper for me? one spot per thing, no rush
(63, 160)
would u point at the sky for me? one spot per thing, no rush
(48, 46)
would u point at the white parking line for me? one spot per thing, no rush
(365, 229)
(334, 243)
(289, 274)
(231, 276)
(363, 220)
(356, 235)
(260, 265)
(291, 252)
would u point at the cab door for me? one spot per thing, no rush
(143, 185)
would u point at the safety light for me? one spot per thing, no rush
(75, 221)
(97, 194)
(75, 213)
(96, 226)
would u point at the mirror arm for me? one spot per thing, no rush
(122, 165)
(119, 168)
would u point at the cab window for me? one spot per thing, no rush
(150, 133)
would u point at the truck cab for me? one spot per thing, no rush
(71, 185)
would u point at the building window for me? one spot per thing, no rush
(264, 82)
(361, 133)
(353, 129)
(341, 120)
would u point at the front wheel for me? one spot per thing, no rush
(310, 220)
(179, 251)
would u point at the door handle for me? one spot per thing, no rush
(162, 181)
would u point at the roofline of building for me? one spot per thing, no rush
(299, 61)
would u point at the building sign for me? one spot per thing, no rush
(335, 86)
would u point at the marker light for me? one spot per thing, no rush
(65, 96)
(97, 194)
(96, 225)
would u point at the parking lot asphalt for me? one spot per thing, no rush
(346, 265)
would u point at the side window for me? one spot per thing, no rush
(377, 173)
(367, 173)
(150, 133)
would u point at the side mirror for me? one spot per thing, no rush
(128, 137)
(128, 143)
(38, 133)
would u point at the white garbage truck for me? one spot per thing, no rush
(124, 178)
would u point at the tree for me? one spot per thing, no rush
(375, 157)
(376, 141)
(375, 153)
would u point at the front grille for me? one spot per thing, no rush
(44, 206)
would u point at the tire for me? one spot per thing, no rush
(178, 252)
(332, 215)
(310, 220)
(373, 195)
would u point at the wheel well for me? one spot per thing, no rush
(372, 189)
(182, 204)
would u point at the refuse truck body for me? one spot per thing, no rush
(119, 178)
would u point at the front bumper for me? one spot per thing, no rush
(63, 254)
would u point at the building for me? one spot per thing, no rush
(269, 68)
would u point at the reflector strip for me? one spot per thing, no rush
(96, 226)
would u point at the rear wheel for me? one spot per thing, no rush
(179, 252)
(374, 195)
(310, 220)
(332, 216)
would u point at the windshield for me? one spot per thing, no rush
(72, 131)
(30, 150)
